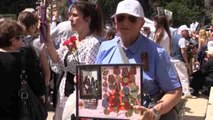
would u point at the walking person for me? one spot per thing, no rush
(129, 47)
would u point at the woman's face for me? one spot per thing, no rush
(34, 28)
(78, 22)
(17, 42)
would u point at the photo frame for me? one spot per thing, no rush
(89, 83)
(109, 91)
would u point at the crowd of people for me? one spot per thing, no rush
(177, 62)
(189, 50)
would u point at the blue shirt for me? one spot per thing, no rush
(176, 50)
(161, 74)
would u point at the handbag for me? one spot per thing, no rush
(30, 107)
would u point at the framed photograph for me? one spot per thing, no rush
(109, 91)
(89, 82)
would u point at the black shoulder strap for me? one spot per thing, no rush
(23, 75)
(62, 74)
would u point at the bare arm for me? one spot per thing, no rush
(45, 65)
(168, 101)
(50, 47)
(184, 54)
(164, 105)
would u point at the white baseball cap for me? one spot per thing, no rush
(181, 28)
(131, 7)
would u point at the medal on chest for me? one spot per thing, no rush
(145, 61)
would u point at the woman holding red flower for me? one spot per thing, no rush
(80, 48)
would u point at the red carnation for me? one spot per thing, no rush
(70, 42)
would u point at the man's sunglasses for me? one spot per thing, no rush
(120, 18)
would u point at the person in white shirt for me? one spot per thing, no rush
(162, 34)
(179, 58)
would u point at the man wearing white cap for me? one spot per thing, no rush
(180, 58)
(131, 47)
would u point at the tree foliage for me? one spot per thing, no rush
(15, 6)
(108, 8)
(185, 11)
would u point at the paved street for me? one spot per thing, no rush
(195, 109)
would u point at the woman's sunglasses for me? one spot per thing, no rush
(121, 18)
(20, 37)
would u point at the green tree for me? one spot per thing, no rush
(185, 12)
(108, 8)
(15, 6)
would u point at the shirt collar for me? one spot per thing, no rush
(135, 46)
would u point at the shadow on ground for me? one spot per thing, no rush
(195, 109)
(192, 118)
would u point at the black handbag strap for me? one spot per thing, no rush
(23, 78)
(23, 75)
(62, 74)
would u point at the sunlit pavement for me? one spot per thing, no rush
(195, 109)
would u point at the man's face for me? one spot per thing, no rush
(146, 30)
(128, 26)
(185, 33)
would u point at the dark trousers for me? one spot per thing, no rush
(197, 81)
(54, 96)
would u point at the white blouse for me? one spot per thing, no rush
(86, 54)
(165, 42)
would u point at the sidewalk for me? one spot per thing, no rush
(209, 113)
(195, 109)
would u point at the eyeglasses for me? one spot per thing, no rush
(120, 18)
(19, 37)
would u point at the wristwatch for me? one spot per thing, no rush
(156, 114)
